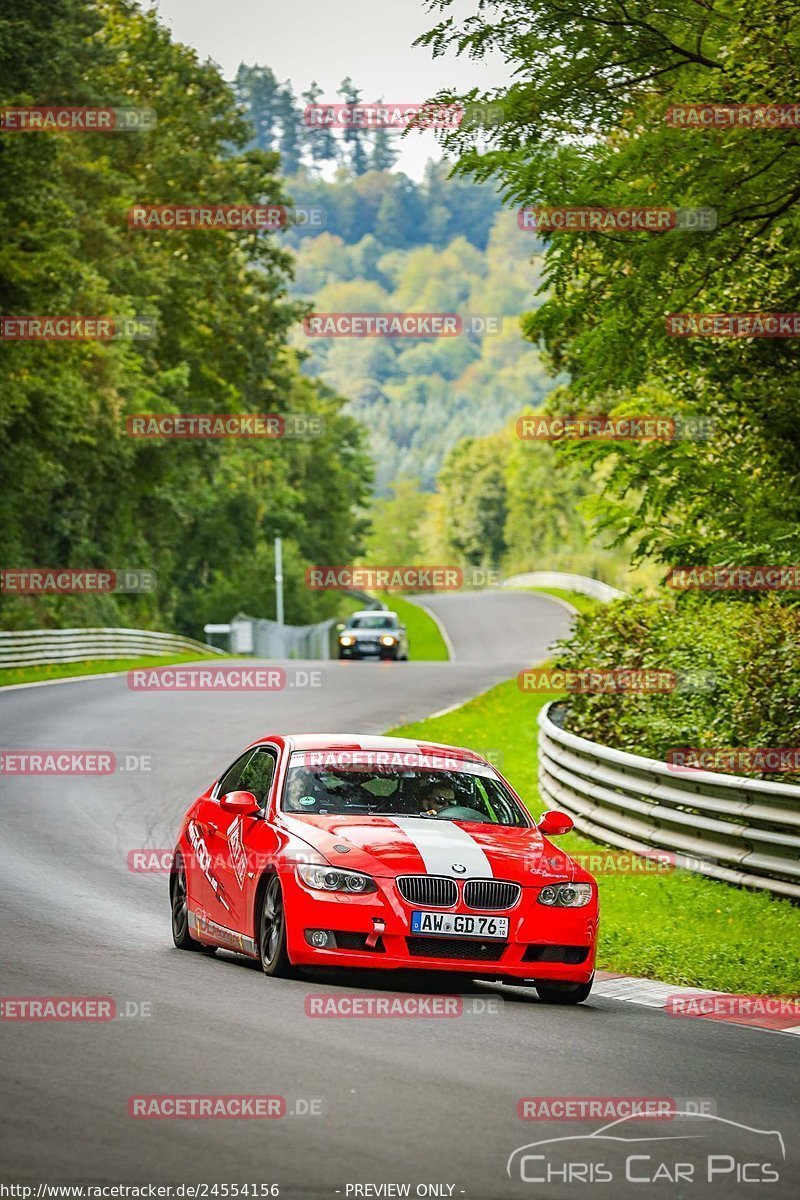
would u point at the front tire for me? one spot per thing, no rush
(179, 904)
(272, 932)
(564, 994)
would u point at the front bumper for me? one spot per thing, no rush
(538, 936)
(369, 650)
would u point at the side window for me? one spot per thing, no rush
(230, 780)
(258, 774)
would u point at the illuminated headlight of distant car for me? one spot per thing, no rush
(345, 639)
(388, 640)
(566, 895)
(331, 879)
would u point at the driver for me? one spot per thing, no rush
(436, 797)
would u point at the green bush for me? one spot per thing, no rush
(735, 659)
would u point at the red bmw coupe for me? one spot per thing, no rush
(381, 852)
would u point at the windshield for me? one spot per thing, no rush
(364, 791)
(379, 621)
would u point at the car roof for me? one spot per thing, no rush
(374, 612)
(361, 741)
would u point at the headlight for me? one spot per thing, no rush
(565, 895)
(345, 639)
(331, 879)
(388, 641)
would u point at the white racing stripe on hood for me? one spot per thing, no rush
(443, 843)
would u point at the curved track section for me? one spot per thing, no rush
(418, 1101)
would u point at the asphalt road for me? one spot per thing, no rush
(417, 1101)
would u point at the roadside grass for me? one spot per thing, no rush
(96, 666)
(425, 641)
(675, 926)
(347, 606)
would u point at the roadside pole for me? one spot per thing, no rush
(279, 579)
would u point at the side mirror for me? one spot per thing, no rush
(340, 626)
(554, 822)
(243, 803)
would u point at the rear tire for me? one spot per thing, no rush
(179, 904)
(572, 993)
(272, 932)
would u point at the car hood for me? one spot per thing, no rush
(389, 846)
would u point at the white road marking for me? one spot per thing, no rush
(442, 629)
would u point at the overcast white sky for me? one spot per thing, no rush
(326, 40)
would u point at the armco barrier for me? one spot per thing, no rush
(743, 831)
(267, 639)
(34, 647)
(571, 583)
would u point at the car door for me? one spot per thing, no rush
(207, 887)
(234, 836)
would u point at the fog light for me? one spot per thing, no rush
(320, 938)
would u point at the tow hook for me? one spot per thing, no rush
(378, 928)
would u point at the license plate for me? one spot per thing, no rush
(436, 924)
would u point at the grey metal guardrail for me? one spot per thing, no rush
(35, 647)
(742, 831)
(562, 579)
(269, 639)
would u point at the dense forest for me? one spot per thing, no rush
(78, 491)
(419, 397)
(590, 118)
(389, 244)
